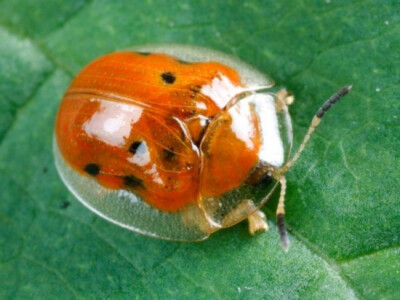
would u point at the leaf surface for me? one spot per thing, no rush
(342, 203)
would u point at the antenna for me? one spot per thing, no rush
(314, 124)
(280, 211)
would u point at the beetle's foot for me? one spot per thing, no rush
(283, 99)
(257, 222)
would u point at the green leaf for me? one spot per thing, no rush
(343, 201)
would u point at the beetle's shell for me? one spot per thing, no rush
(202, 171)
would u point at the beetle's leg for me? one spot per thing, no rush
(257, 222)
(280, 215)
(283, 99)
(246, 208)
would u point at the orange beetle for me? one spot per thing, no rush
(175, 143)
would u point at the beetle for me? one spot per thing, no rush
(177, 142)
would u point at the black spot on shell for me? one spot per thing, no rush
(132, 181)
(168, 77)
(143, 53)
(184, 62)
(92, 169)
(134, 146)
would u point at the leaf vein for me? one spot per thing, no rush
(39, 46)
(71, 17)
(370, 253)
(344, 156)
(335, 267)
(25, 103)
(55, 272)
(333, 47)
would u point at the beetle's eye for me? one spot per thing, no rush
(263, 182)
